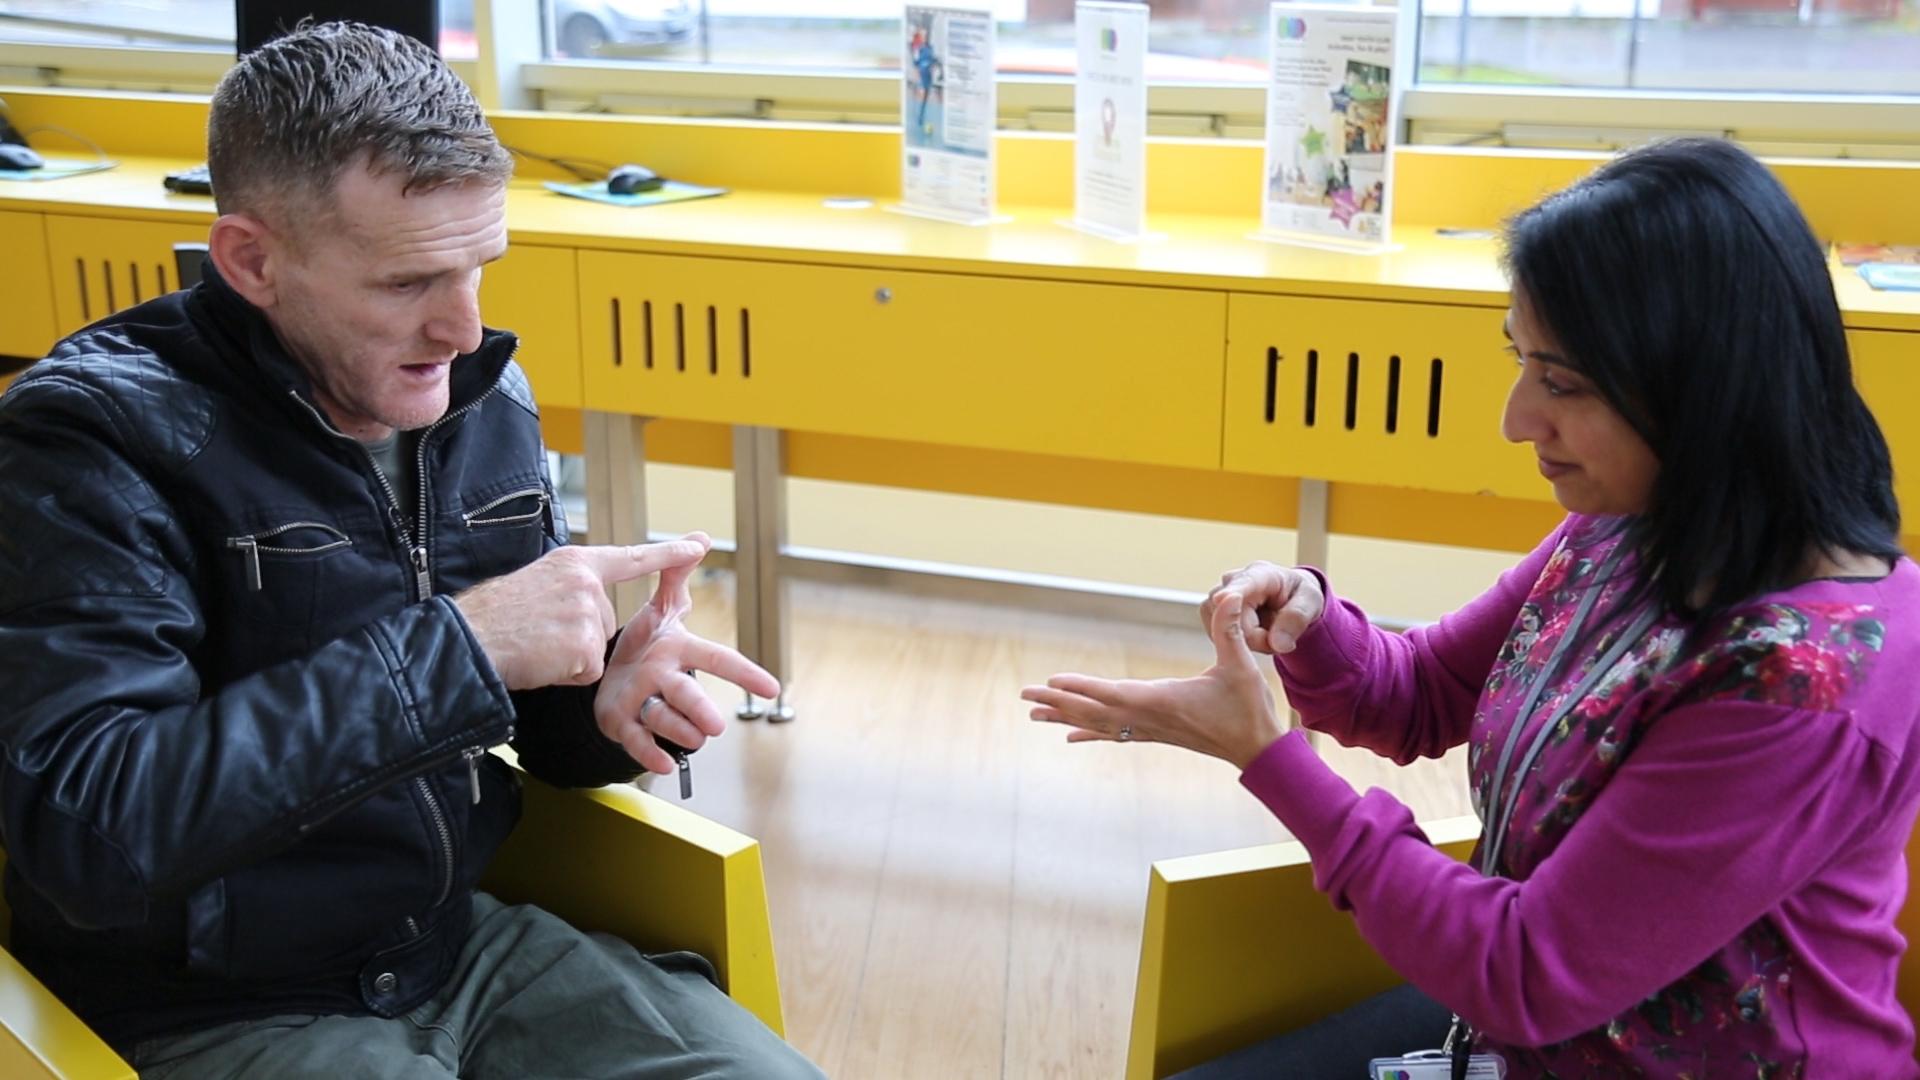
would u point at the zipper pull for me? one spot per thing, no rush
(250, 550)
(422, 577)
(473, 771)
(680, 756)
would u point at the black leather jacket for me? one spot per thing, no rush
(242, 722)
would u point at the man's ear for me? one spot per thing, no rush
(246, 252)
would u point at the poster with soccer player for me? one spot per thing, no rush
(948, 113)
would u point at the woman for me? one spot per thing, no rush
(1691, 727)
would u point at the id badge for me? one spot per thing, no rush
(1434, 1065)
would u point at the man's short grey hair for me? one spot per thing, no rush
(292, 114)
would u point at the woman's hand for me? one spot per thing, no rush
(1226, 711)
(1278, 604)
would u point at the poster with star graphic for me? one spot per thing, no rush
(1330, 125)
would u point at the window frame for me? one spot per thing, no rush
(113, 67)
(190, 72)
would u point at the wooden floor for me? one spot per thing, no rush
(956, 892)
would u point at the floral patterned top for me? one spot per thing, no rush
(1706, 855)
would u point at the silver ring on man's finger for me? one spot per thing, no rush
(1126, 733)
(652, 700)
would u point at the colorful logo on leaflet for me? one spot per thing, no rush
(1109, 40)
(1292, 29)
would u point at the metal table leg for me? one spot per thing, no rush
(1312, 547)
(760, 529)
(617, 493)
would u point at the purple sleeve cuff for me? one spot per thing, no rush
(1309, 798)
(1325, 653)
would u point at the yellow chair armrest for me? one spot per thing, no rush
(41, 1039)
(618, 860)
(1239, 946)
(613, 859)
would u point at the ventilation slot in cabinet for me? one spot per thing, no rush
(684, 337)
(1353, 389)
(1273, 379)
(133, 275)
(1350, 402)
(160, 276)
(713, 340)
(746, 345)
(1393, 394)
(86, 300)
(1433, 399)
(1313, 384)
(680, 337)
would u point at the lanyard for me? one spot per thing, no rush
(1458, 1037)
(1503, 821)
(1508, 782)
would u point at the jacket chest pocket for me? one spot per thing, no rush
(506, 533)
(277, 575)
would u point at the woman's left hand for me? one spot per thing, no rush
(1226, 711)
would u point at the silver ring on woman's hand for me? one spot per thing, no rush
(1126, 733)
(652, 700)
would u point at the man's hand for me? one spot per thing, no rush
(548, 622)
(657, 655)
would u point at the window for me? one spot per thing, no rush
(1590, 74)
(1772, 46)
(201, 25)
(1193, 41)
(1745, 46)
(1584, 74)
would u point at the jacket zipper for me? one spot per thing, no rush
(250, 547)
(446, 838)
(475, 519)
(421, 568)
(472, 755)
(416, 556)
(416, 545)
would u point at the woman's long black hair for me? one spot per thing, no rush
(1684, 282)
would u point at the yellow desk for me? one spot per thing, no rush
(1207, 374)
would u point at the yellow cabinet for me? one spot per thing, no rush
(1098, 371)
(1886, 366)
(101, 265)
(1401, 395)
(531, 292)
(26, 297)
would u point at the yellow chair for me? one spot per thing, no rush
(613, 859)
(1240, 946)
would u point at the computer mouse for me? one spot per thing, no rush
(16, 156)
(631, 179)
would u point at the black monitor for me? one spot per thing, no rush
(256, 22)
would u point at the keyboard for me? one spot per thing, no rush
(194, 181)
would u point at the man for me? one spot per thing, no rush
(280, 561)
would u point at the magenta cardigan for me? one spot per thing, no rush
(1706, 857)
